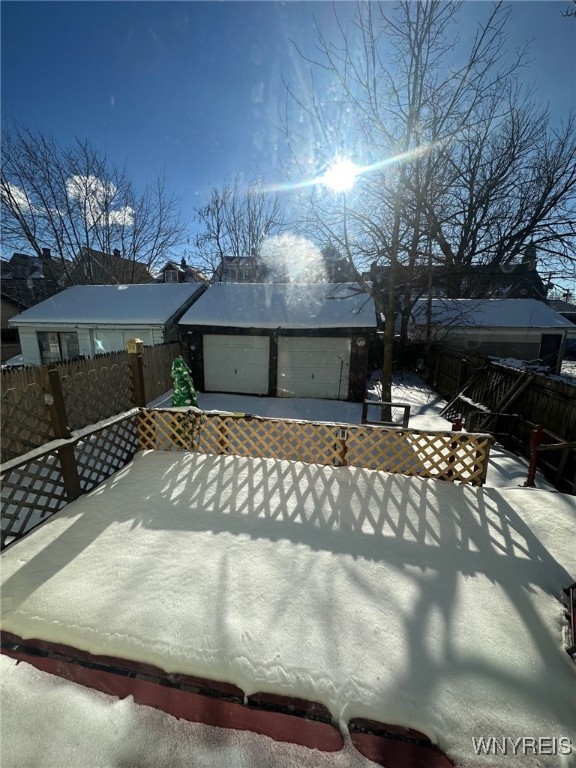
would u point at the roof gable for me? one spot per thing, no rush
(100, 268)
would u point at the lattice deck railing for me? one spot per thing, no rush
(454, 456)
(37, 486)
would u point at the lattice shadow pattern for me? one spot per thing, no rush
(450, 456)
(26, 422)
(31, 492)
(97, 394)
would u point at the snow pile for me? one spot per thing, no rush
(414, 602)
(75, 727)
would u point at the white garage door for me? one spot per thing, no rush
(313, 367)
(236, 364)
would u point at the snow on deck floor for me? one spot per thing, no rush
(413, 602)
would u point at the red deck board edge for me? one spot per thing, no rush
(410, 748)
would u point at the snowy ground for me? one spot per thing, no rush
(75, 727)
(568, 371)
(414, 602)
(505, 468)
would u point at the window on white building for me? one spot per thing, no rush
(56, 346)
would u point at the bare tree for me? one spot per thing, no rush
(234, 225)
(72, 199)
(453, 167)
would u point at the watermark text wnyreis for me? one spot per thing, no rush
(522, 746)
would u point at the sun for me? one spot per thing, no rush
(341, 176)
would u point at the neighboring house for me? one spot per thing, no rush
(91, 267)
(10, 342)
(180, 272)
(25, 281)
(563, 308)
(88, 320)
(568, 311)
(291, 340)
(238, 269)
(525, 329)
(516, 280)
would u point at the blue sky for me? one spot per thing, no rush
(193, 88)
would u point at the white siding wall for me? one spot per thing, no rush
(522, 343)
(114, 339)
(29, 346)
(84, 342)
(90, 341)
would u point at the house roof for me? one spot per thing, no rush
(107, 268)
(559, 305)
(479, 281)
(188, 271)
(489, 313)
(28, 280)
(145, 304)
(282, 305)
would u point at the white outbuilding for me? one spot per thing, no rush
(88, 320)
(525, 329)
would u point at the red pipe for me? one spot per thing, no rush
(536, 439)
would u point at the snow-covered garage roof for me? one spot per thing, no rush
(146, 304)
(490, 313)
(290, 305)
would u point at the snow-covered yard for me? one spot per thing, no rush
(413, 602)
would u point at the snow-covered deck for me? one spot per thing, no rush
(414, 602)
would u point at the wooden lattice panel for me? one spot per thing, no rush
(104, 452)
(26, 422)
(277, 439)
(97, 394)
(167, 430)
(31, 492)
(444, 455)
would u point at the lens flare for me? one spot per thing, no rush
(341, 176)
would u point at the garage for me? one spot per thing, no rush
(236, 363)
(314, 367)
(281, 339)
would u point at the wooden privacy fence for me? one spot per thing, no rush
(49, 402)
(453, 456)
(544, 400)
